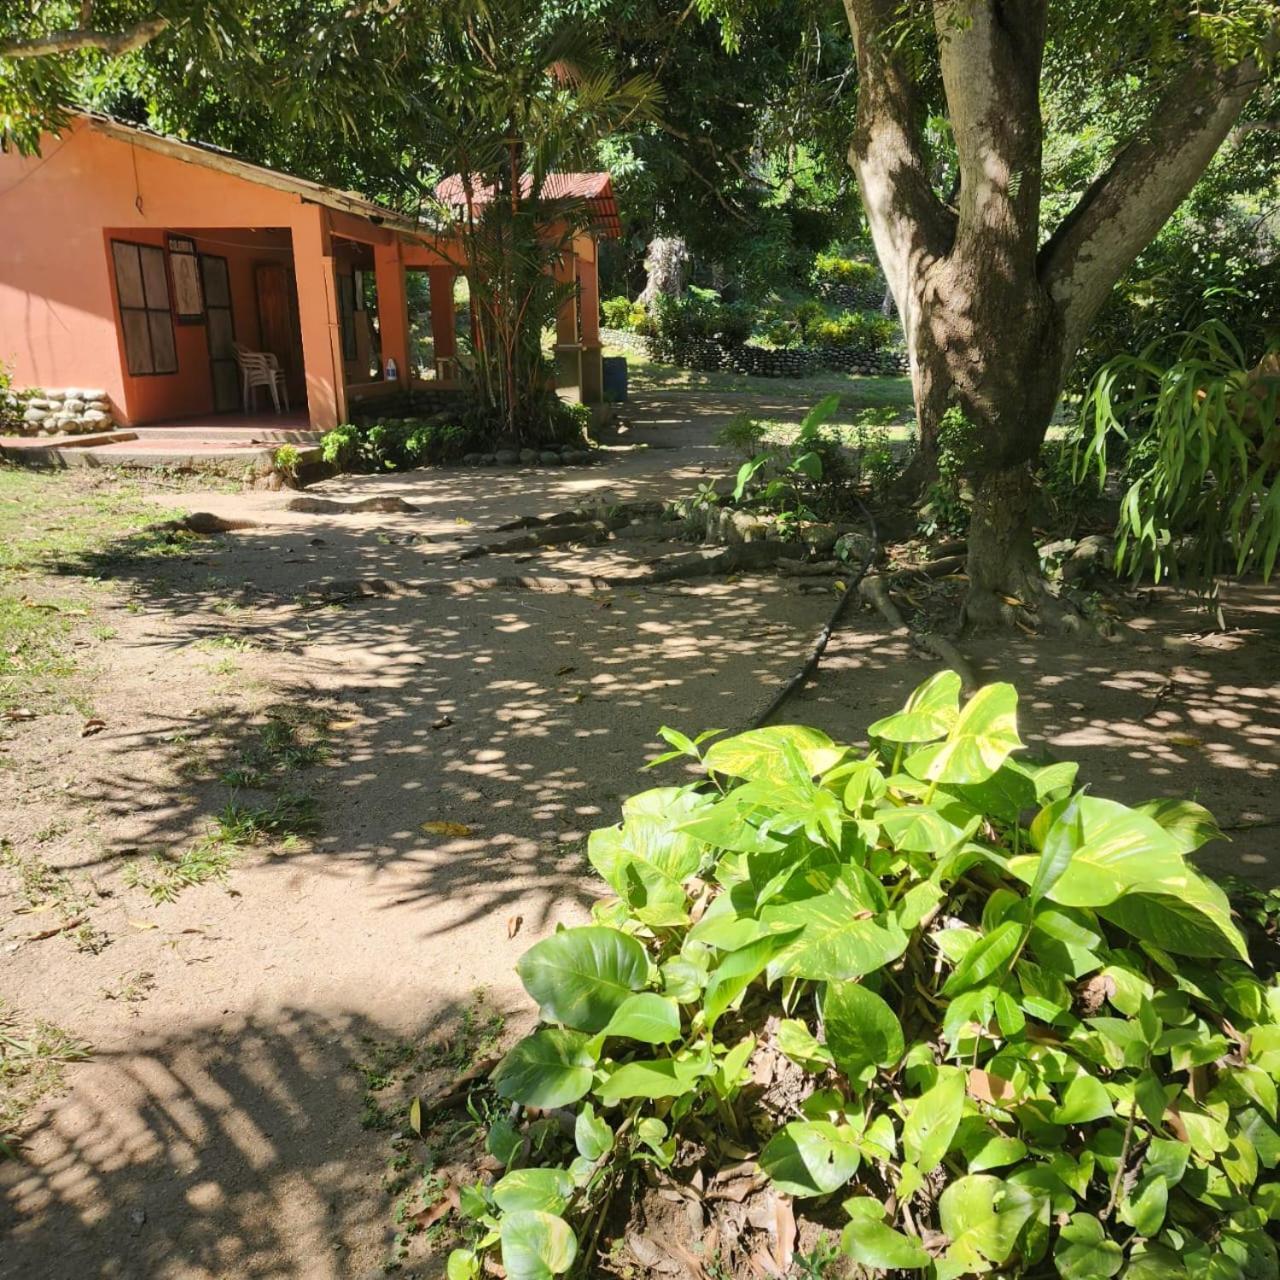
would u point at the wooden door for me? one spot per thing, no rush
(221, 333)
(278, 319)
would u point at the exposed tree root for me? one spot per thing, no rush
(590, 533)
(205, 523)
(329, 506)
(875, 592)
(601, 511)
(749, 556)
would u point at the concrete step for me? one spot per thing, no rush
(261, 435)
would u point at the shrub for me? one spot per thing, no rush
(863, 330)
(699, 315)
(1195, 438)
(403, 443)
(834, 269)
(616, 312)
(1011, 1046)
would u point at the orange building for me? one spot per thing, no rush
(133, 264)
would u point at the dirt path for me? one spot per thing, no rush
(216, 1131)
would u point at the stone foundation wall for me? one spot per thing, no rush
(39, 412)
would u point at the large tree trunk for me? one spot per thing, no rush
(993, 318)
(667, 263)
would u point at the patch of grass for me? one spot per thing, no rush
(35, 661)
(132, 987)
(33, 1055)
(163, 878)
(284, 819)
(44, 891)
(228, 641)
(293, 737)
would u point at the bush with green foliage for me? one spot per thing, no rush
(863, 330)
(400, 444)
(1196, 442)
(699, 315)
(1031, 1040)
(833, 268)
(622, 313)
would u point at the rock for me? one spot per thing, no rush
(489, 460)
(470, 459)
(853, 547)
(1057, 550)
(40, 404)
(742, 526)
(1090, 553)
(94, 416)
(549, 458)
(507, 457)
(73, 406)
(99, 406)
(329, 505)
(94, 394)
(528, 456)
(821, 537)
(35, 415)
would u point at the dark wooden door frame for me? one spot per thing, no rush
(216, 360)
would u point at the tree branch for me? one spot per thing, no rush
(991, 53)
(907, 219)
(1123, 209)
(113, 43)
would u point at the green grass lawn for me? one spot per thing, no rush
(59, 530)
(856, 391)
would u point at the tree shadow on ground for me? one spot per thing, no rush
(233, 1149)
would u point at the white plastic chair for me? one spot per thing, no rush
(260, 369)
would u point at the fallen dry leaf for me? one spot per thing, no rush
(91, 726)
(19, 713)
(989, 1088)
(513, 925)
(443, 723)
(445, 829)
(1185, 740)
(143, 924)
(433, 1213)
(564, 671)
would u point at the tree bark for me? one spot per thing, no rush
(113, 43)
(667, 263)
(992, 320)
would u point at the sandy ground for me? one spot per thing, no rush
(215, 1132)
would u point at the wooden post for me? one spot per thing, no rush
(318, 317)
(393, 308)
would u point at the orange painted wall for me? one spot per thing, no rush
(58, 323)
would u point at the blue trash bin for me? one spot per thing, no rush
(614, 378)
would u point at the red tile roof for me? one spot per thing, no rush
(595, 190)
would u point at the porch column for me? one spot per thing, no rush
(393, 308)
(444, 334)
(568, 344)
(588, 267)
(318, 317)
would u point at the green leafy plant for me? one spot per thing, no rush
(286, 460)
(1197, 445)
(1027, 1034)
(945, 510)
(836, 269)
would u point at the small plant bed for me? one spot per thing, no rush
(462, 436)
(927, 1008)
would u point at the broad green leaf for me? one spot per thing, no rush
(649, 1018)
(549, 1068)
(994, 1152)
(833, 944)
(1189, 823)
(592, 1134)
(580, 977)
(986, 959)
(810, 1157)
(1083, 1251)
(1144, 1208)
(929, 714)
(983, 1217)
(799, 1044)
(1085, 1099)
(761, 754)
(874, 1243)
(862, 1031)
(536, 1245)
(1111, 849)
(983, 737)
(1155, 1262)
(737, 971)
(462, 1265)
(932, 1122)
(1184, 913)
(918, 828)
(659, 1078)
(547, 1190)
